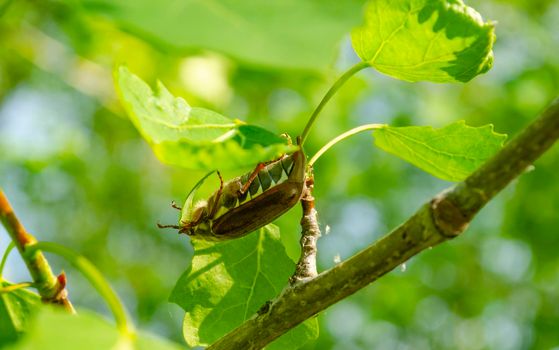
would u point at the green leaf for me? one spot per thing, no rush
(299, 34)
(16, 307)
(54, 329)
(191, 137)
(228, 282)
(431, 40)
(450, 153)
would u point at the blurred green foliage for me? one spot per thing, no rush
(77, 172)
(55, 329)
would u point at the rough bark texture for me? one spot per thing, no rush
(444, 217)
(310, 233)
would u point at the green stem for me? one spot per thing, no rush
(95, 278)
(50, 287)
(343, 136)
(11, 246)
(337, 85)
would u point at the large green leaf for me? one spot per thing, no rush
(301, 34)
(432, 40)
(191, 137)
(450, 153)
(55, 329)
(16, 308)
(228, 282)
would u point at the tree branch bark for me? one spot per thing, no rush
(444, 217)
(310, 233)
(51, 288)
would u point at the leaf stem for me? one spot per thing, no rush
(14, 287)
(331, 92)
(342, 137)
(50, 287)
(7, 252)
(92, 274)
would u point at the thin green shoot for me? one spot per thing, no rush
(92, 274)
(14, 287)
(343, 136)
(331, 92)
(7, 252)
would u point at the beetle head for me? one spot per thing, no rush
(194, 218)
(193, 213)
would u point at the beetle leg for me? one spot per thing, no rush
(174, 205)
(254, 174)
(168, 226)
(251, 178)
(286, 135)
(215, 204)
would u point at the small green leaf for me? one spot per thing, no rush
(191, 137)
(228, 282)
(450, 153)
(431, 40)
(54, 329)
(16, 307)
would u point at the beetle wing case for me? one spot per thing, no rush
(265, 208)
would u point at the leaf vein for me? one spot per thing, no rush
(258, 261)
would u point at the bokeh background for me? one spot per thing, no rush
(78, 173)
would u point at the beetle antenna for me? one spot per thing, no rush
(168, 226)
(174, 205)
(220, 179)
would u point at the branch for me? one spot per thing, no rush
(444, 217)
(51, 288)
(310, 233)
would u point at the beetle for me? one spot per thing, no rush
(244, 203)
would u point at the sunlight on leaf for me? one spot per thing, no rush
(191, 137)
(293, 34)
(430, 40)
(228, 282)
(450, 153)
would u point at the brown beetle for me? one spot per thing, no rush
(245, 203)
